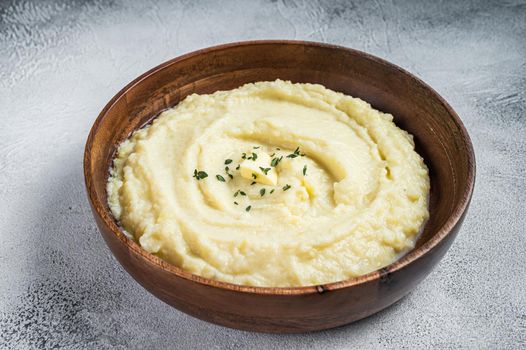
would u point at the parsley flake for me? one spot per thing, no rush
(305, 170)
(286, 187)
(220, 178)
(248, 208)
(262, 192)
(228, 161)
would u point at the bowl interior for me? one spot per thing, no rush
(439, 135)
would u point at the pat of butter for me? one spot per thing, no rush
(309, 187)
(259, 170)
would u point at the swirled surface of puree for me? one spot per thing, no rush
(271, 184)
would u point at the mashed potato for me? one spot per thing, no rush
(271, 184)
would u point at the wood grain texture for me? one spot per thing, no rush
(439, 134)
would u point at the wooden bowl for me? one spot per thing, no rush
(439, 134)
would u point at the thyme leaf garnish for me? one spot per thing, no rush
(199, 174)
(275, 161)
(265, 170)
(227, 169)
(295, 154)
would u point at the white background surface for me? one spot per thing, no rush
(60, 62)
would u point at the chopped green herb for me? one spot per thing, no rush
(248, 208)
(237, 167)
(275, 161)
(236, 203)
(262, 192)
(244, 156)
(271, 191)
(272, 155)
(255, 147)
(254, 156)
(277, 148)
(305, 170)
(242, 193)
(295, 153)
(220, 178)
(254, 176)
(286, 187)
(229, 175)
(265, 170)
(199, 174)
(236, 193)
(228, 161)
(252, 183)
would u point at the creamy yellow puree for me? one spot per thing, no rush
(348, 196)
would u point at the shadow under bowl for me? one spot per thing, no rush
(439, 135)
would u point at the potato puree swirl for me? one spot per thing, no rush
(356, 197)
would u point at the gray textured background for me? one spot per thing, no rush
(60, 62)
